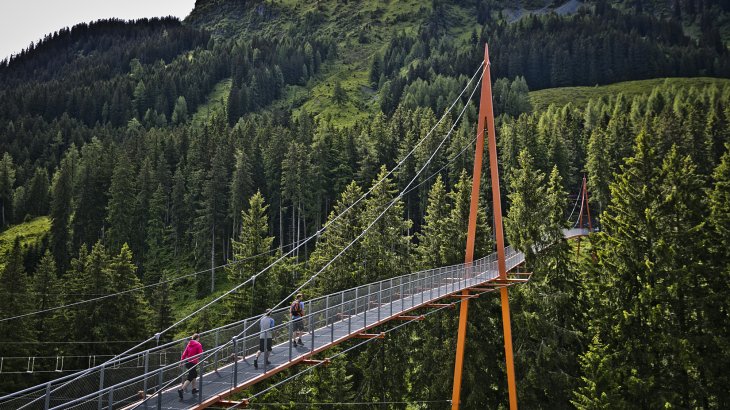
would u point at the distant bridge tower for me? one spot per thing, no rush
(486, 121)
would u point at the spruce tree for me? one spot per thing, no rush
(15, 300)
(620, 315)
(344, 271)
(61, 194)
(432, 238)
(386, 245)
(121, 207)
(523, 224)
(46, 288)
(7, 181)
(716, 304)
(130, 313)
(250, 256)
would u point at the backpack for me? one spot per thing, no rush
(295, 309)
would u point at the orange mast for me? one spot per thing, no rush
(486, 115)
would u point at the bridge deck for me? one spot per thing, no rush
(220, 383)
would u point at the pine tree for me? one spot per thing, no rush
(598, 167)
(241, 188)
(158, 239)
(344, 272)
(339, 95)
(620, 316)
(38, 193)
(432, 239)
(61, 194)
(547, 318)
(89, 276)
(15, 300)
(130, 314)
(717, 305)
(523, 224)
(251, 256)
(386, 244)
(46, 288)
(161, 305)
(682, 282)
(91, 189)
(121, 207)
(7, 180)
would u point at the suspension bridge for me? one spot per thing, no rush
(149, 378)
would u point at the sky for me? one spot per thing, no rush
(26, 21)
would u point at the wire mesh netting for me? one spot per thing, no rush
(142, 375)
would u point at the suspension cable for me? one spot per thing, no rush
(306, 240)
(382, 213)
(110, 295)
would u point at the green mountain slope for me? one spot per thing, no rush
(579, 96)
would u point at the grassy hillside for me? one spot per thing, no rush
(362, 29)
(579, 96)
(29, 233)
(216, 101)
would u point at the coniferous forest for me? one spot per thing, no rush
(140, 157)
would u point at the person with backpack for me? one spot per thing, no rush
(265, 338)
(192, 353)
(297, 314)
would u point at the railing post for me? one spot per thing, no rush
(111, 398)
(357, 295)
(215, 354)
(309, 316)
(288, 341)
(47, 405)
(380, 297)
(349, 322)
(365, 309)
(327, 310)
(235, 361)
(342, 305)
(245, 326)
(402, 296)
(423, 287)
(146, 369)
(391, 297)
(312, 327)
(430, 286)
(101, 386)
(160, 382)
(200, 381)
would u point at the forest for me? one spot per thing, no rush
(97, 141)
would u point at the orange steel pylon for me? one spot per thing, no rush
(486, 116)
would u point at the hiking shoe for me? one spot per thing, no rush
(255, 363)
(268, 363)
(195, 391)
(300, 342)
(179, 393)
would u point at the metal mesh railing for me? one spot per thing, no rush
(140, 375)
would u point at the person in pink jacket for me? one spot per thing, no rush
(192, 354)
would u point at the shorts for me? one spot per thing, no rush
(298, 324)
(265, 344)
(193, 372)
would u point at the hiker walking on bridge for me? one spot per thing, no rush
(192, 353)
(265, 338)
(297, 314)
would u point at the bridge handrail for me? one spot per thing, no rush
(412, 278)
(136, 356)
